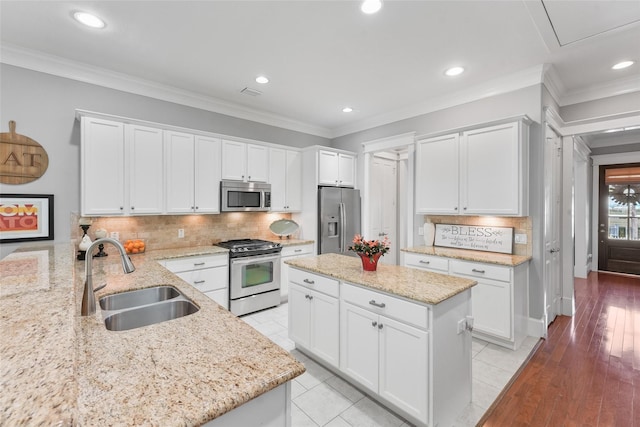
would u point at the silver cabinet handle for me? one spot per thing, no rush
(374, 323)
(475, 270)
(424, 262)
(309, 281)
(197, 282)
(381, 304)
(195, 264)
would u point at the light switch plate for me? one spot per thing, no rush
(521, 239)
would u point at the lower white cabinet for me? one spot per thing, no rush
(288, 253)
(388, 357)
(314, 315)
(499, 300)
(209, 274)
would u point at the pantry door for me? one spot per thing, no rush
(383, 205)
(553, 206)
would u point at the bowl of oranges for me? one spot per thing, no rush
(136, 246)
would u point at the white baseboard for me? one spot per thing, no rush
(536, 327)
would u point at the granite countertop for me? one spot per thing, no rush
(417, 285)
(59, 368)
(469, 255)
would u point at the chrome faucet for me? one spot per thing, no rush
(88, 298)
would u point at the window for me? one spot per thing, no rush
(624, 203)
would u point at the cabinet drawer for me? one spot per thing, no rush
(427, 262)
(177, 265)
(208, 279)
(476, 269)
(404, 311)
(314, 281)
(296, 250)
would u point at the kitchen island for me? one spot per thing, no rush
(59, 368)
(399, 334)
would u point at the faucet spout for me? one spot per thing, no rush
(88, 299)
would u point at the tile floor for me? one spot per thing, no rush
(321, 398)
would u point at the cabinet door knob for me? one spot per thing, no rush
(374, 323)
(121, 208)
(133, 207)
(465, 208)
(455, 209)
(380, 326)
(310, 297)
(377, 304)
(308, 281)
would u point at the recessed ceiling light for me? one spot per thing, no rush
(347, 110)
(89, 20)
(454, 71)
(623, 64)
(371, 6)
(262, 79)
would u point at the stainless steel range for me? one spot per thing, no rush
(254, 275)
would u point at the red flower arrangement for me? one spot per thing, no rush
(370, 248)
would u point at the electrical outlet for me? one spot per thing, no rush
(180, 233)
(115, 235)
(420, 231)
(521, 239)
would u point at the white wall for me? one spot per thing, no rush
(44, 108)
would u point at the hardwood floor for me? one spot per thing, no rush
(587, 372)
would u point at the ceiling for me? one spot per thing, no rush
(321, 56)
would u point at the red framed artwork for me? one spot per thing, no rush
(26, 217)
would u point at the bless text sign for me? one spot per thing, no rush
(479, 238)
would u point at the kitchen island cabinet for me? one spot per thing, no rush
(60, 368)
(403, 334)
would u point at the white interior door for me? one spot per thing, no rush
(553, 200)
(383, 205)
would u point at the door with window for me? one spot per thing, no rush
(619, 222)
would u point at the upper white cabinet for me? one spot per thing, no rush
(193, 173)
(285, 177)
(336, 169)
(477, 172)
(122, 168)
(245, 162)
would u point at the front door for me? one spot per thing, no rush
(619, 218)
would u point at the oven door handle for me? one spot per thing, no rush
(254, 259)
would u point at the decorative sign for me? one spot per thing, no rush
(476, 237)
(22, 159)
(26, 217)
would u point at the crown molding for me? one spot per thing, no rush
(504, 84)
(605, 90)
(50, 64)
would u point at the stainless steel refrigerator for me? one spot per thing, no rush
(338, 219)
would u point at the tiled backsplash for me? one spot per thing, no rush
(521, 225)
(161, 232)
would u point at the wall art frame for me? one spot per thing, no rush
(26, 217)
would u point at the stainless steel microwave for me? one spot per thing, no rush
(236, 196)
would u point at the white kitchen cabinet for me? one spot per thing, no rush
(288, 253)
(122, 168)
(102, 167)
(480, 171)
(285, 177)
(244, 162)
(193, 173)
(387, 356)
(337, 169)
(499, 300)
(314, 314)
(437, 175)
(209, 274)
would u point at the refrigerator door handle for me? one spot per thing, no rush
(342, 227)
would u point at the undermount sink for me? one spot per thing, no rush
(138, 298)
(149, 315)
(144, 307)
